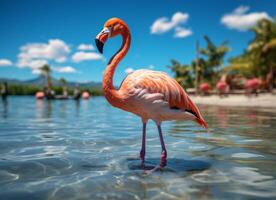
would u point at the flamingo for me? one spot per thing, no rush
(146, 93)
(204, 88)
(252, 85)
(39, 95)
(85, 95)
(222, 87)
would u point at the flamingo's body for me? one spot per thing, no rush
(146, 93)
(253, 83)
(85, 95)
(154, 95)
(204, 88)
(222, 87)
(39, 95)
(252, 86)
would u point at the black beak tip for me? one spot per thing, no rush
(99, 45)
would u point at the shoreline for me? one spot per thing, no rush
(262, 100)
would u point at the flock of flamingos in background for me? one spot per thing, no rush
(250, 85)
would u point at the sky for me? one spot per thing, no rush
(61, 33)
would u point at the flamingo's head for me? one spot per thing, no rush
(112, 27)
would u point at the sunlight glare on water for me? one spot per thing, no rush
(90, 150)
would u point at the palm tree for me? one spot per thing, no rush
(259, 59)
(183, 73)
(46, 72)
(191, 75)
(214, 58)
(63, 81)
(64, 86)
(262, 48)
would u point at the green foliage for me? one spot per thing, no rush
(258, 60)
(260, 56)
(17, 89)
(94, 91)
(46, 71)
(209, 65)
(183, 73)
(63, 81)
(212, 60)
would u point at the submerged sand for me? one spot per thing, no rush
(262, 100)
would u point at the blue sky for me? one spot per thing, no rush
(34, 32)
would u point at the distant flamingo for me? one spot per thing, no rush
(252, 86)
(205, 88)
(39, 95)
(85, 95)
(222, 87)
(146, 93)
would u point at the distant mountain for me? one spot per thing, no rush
(40, 81)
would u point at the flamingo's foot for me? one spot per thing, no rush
(155, 169)
(163, 163)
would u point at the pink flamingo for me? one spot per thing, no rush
(39, 95)
(252, 85)
(85, 95)
(204, 88)
(222, 87)
(145, 93)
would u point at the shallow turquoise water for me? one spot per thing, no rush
(89, 150)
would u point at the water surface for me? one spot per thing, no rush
(90, 150)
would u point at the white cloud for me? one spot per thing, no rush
(240, 20)
(66, 69)
(182, 32)
(163, 24)
(129, 70)
(84, 47)
(35, 55)
(37, 71)
(29, 63)
(5, 62)
(81, 56)
(179, 18)
(55, 49)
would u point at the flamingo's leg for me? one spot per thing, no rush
(143, 148)
(163, 161)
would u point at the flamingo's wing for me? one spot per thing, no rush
(161, 83)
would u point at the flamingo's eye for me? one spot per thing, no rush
(110, 28)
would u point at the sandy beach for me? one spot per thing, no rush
(262, 100)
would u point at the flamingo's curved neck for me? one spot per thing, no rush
(110, 92)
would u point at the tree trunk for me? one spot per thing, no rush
(49, 82)
(197, 69)
(271, 78)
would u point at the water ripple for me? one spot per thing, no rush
(90, 150)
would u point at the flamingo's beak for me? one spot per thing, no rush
(99, 45)
(101, 39)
